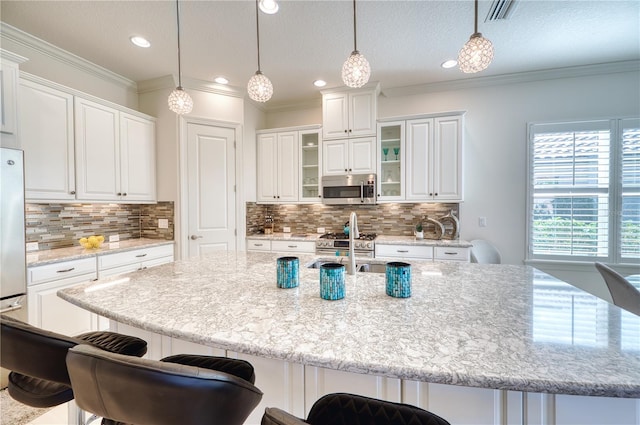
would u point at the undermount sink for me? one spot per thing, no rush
(363, 267)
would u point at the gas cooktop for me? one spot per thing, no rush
(363, 236)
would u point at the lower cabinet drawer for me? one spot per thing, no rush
(134, 256)
(404, 251)
(293, 246)
(258, 245)
(448, 253)
(84, 268)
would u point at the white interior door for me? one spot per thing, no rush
(211, 189)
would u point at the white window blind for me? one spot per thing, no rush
(585, 191)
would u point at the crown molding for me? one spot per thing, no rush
(7, 55)
(516, 78)
(168, 82)
(7, 32)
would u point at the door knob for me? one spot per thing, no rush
(194, 237)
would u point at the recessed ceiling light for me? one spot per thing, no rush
(269, 6)
(140, 41)
(221, 80)
(319, 83)
(449, 64)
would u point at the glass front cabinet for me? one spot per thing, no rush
(391, 171)
(310, 160)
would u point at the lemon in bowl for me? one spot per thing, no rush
(92, 242)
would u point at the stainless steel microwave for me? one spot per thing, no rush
(357, 189)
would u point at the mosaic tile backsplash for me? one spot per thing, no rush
(383, 219)
(61, 225)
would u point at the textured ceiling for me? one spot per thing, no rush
(404, 41)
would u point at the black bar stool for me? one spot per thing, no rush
(37, 359)
(183, 389)
(352, 409)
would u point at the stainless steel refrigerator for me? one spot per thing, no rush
(13, 265)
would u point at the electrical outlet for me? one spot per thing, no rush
(482, 221)
(286, 229)
(163, 223)
(32, 246)
(114, 238)
(320, 230)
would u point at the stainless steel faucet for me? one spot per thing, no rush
(353, 234)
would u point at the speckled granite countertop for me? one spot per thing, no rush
(39, 258)
(493, 326)
(411, 240)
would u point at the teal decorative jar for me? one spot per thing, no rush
(288, 272)
(398, 279)
(332, 281)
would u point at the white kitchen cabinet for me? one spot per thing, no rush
(47, 310)
(310, 161)
(258, 245)
(277, 167)
(418, 252)
(423, 159)
(115, 154)
(136, 259)
(422, 252)
(349, 156)
(293, 246)
(46, 134)
(9, 76)
(347, 114)
(137, 158)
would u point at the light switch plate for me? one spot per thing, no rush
(286, 229)
(163, 223)
(482, 221)
(320, 230)
(114, 238)
(32, 246)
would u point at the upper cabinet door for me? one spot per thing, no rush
(362, 155)
(335, 157)
(447, 159)
(267, 157)
(362, 114)
(288, 166)
(97, 151)
(9, 73)
(335, 116)
(137, 158)
(45, 126)
(418, 159)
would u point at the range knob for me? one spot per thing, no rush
(369, 245)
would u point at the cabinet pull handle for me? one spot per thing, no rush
(292, 246)
(403, 250)
(141, 255)
(66, 271)
(257, 244)
(450, 253)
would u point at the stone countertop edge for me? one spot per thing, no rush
(411, 240)
(58, 255)
(469, 341)
(285, 236)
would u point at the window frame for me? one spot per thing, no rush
(615, 189)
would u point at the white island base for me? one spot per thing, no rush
(295, 387)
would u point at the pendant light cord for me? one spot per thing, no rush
(258, 33)
(476, 19)
(355, 40)
(178, 21)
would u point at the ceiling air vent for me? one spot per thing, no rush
(500, 9)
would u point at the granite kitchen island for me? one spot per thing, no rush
(511, 343)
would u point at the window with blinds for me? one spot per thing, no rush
(584, 191)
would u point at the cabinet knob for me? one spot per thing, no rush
(73, 192)
(346, 169)
(124, 194)
(345, 130)
(349, 169)
(436, 193)
(278, 196)
(349, 130)
(119, 194)
(274, 196)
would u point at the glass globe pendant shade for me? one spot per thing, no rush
(356, 70)
(180, 102)
(259, 87)
(476, 54)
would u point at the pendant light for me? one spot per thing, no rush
(259, 87)
(355, 70)
(179, 100)
(477, 53)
